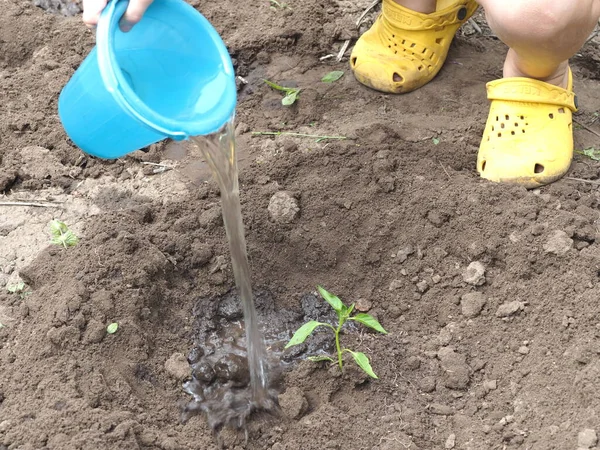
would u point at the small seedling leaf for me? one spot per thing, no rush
(66, 240)
(290, 98)
(435, 141)
(57, 228)
(363, 362)
(591, 153)
(333, 300)
(303, 332)
(320, 358)
(333, 76)
(369, 321)
(61, 235)
(112, 328)
(14, 288)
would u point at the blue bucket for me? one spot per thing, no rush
(169, 77)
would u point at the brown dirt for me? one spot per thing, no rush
(152, 246)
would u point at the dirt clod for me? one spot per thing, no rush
(474, 274)
(427, 384)
(450, 442)
(509, 308)
(178, 367)
(402, 254)
(472, 303)
(283, 207)
(456, 368)
(293, 403)
(95, 332)
(490, 385)
(587, 438)
(523, 350)
(559, 243)
(363, 305)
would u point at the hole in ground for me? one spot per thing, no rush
(220, 374)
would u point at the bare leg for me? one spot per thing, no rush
(422, 6)
(542, 34)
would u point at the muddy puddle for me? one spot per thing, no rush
(220, 375)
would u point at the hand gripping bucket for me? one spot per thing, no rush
(169, 77)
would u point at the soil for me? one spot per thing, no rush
(489, 292)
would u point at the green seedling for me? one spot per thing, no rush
(275, 5)
(344, 314)
(18, 288)
(112, 328)
(435, 141)
(592, 153)
(333, 76)
(15, 288)
(291, 94)
(61, 235)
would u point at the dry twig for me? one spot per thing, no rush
(366, 11)
(583, 180)
(587, 128)
(37, 205)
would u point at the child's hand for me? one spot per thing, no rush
(134, 13)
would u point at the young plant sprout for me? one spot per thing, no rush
(291, 94)
(344, 314)
(61, 235)
(333, 76)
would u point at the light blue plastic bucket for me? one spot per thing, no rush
(169, 77)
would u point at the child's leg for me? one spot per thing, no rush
(528, 137)
(542, 34)
(422, 6)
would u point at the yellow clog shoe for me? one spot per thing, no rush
(528, 137)
(404, 49)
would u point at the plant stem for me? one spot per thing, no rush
(286, 133)
(337, 346)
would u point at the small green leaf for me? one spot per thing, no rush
(290, 98)
(112, 328)
(435, 141)
(334, 301)
(369, 321)
(61, 235)
(333, 76)
(57, 228)
(319, 358)
(66, 240)
(303, 332)
(591, 153)
(14, 288)
(363, 362)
